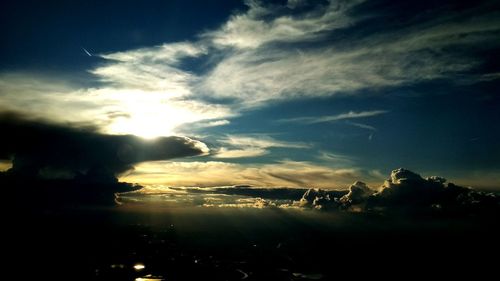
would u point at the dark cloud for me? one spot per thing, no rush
(409, 192)
(282, 193)
(403, 192)
(44, 152)
(321, 199)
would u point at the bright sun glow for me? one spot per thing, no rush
(151, 114)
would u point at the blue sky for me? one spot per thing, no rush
(283, 93)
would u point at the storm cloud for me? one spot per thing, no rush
(36, 147)
(42, 152)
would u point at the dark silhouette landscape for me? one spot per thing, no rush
(249, 139)
(254, 234)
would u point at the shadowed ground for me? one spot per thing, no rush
(199, 243)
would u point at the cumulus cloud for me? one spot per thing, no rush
(284, 193)
(320, 199)
(406, 191)
(358, 192)
(337, 160)
(260, 140)
(226, 196)
(266, 54)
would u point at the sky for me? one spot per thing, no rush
(267, 93)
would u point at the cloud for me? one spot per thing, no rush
(239, 153)
(320, 199)
(408, 192)
(404, 192)
(362, 126)
(333, 118)
(252, 146)
(111, 109)
(275, 61)
(359, 192)
(407, 189)
(259, 140)
(40, 149)
(215, 173)
(150, 69)
(266, 54)
(262, 25)
(53, 166)
(218, 123)
(335, 157)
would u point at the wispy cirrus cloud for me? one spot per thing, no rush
(151, 69)
(215, 173)
(251, 30)
(260, 140)
(123, 109)
(362, 126)
(267, 59)
(241, 146)
(335, 159)
(266, 54)
(333, 118)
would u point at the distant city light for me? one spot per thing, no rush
(139, 266)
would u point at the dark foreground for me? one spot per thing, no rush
(200, 243)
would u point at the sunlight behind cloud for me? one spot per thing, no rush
(243, 75)
(151, 114)
(145, 113)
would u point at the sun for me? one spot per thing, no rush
(147, 127)
(150, 115)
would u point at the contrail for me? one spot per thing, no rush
(87, 52)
